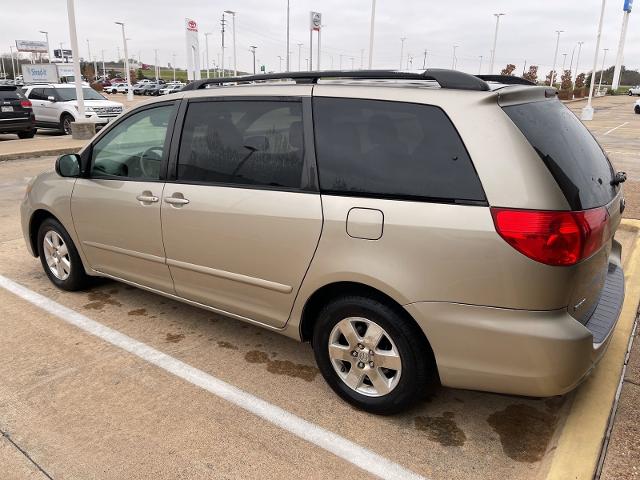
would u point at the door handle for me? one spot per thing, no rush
(147, 198)
(176, 200)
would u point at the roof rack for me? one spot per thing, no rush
(450, 79)
(506, 79)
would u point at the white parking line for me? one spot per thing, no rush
(615, 128)
(334, 443)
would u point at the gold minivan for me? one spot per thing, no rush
(416, 228)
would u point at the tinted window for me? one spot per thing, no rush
(67, 94)
(10, 94)
(392, 149)
(242, 143)
(49, 92)
(36, 94)
(569, 151)
(134, 147)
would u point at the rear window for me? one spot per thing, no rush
(10, 94)
(392, 149)
(569, 151)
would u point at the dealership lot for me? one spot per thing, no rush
(76, 403)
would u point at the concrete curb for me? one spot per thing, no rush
(581, 440)
(5, 157)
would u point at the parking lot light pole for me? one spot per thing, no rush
(495, 41)
(587, 112)
(402, 39)
(578, 58)
(454, 60)
(233, 28)
(126, 62)
(555, 58)
(602, 70)
(253, 51)
(104, 70)
(13, 66)
(46, 36)
(288, 53)
(173, 64)
(371, 31)
(300, 56)
(75, 51)
(206, 48)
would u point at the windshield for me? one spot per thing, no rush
(67, 94)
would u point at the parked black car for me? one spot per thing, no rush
(153, 89)
(16, 114)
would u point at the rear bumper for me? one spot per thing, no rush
(533, 353)
(17, 125)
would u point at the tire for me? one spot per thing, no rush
(401, 341)
(637, 109)
(71, 275)
(630, 94)
(27, 134)
(65, 123)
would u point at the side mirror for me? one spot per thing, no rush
(51, 98)
(68, 165)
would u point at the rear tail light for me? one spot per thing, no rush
(25, 103)
(553, 238)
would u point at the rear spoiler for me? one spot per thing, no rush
(506, 80)
(524, 94)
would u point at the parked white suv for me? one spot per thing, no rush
(56, 106)
(634, 90)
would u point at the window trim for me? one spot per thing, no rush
(87, 154)
(309, 166)
(412, 198)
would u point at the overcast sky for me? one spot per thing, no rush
(527, 32)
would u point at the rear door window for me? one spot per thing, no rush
(10, 94)
(392, 149)
(569, 151)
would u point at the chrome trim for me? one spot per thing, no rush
(190, 302)
(124, 251)
(236, 277)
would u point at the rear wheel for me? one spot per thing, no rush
(27, 134)
(59, 257)
(637, 109)
(371, 355)
(65, 123)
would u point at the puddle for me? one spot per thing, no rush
(99, 300)
(230, 346)
(138, 312)
(443, 429)
(525, 431)
(174, 337)
(282, 367)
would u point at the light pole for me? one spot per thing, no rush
(253, 51)
(46, 35)
(280, 59)
(75, 51)
(206, 47)
(424, 60)
(341, 61)
(371, 29)
(602, 71)
(155, 60)
(555, 58)
(495, 41)
(402, 39)
(288, 55)
(173, 64)
(222, 22)
(480, 67)
(564, 61)
(104, 70)
(13, 67)
(233, 26)
(578, 57)
(126, 63)
(453, 62)
(300, 57)
(587, 112)
(615, 84)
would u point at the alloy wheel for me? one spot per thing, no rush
(56, 255)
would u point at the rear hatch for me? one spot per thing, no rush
(14, 106)
(587, 179)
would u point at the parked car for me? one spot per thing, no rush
(139, 88)
(16, 114)
(171, 89)
(56, 105)
(415, 235)
(118, 80)
(634, 90)
(117, 88)
(151, 89)
(636, 108)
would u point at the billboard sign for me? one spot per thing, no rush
(316, 21)
(65, 70)
(193, 49)
(627, 5)
(32, 46)
(44, 73)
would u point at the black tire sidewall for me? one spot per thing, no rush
(77, 279)
(414, 378)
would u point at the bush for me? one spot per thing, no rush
(97, 86)
(532, 74)
(508, 70)
(580, 80)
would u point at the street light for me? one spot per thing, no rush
(173, 64)
(578, 57)
(75, 51)
(564, 61)
(280, 59)
(373, 20)
(587, 112)
(288, 53)
(402, 39)
(126, 62)
(555, 58)
(602, 71)
(300, 56)
(13, 67)
(453, 62)
(480, 68)
(46, 35)
(233, 26)
(495, 41)
(206, 43)
(253, 51)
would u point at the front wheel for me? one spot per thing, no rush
(59, 257)
(27, 134)
(65, 123)
(637, 109)
(372, 355)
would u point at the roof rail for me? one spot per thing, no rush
(506, 79)
(450, 79)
